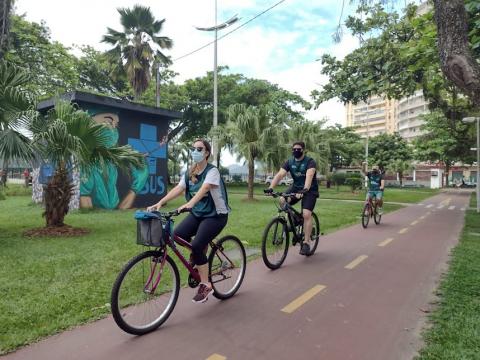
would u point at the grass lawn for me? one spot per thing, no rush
(50, 284)
(455, 332)
(406, 195)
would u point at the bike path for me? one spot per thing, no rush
(373, 309)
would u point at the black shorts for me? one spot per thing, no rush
(309, 199)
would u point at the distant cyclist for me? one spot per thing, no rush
(303, 171)
(376, 184)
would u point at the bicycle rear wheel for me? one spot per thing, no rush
(226, 264)
(145, 293)
(275, 243)
(365, 215)
(315, 234)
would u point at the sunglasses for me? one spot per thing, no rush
(199, 149)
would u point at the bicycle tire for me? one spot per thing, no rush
(315, 234)
(283, 243)
(224, 254)
(119, 313)
(365, 215)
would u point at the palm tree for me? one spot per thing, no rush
(250, 128)
(137, 47)
(71, 139)
(16, 108)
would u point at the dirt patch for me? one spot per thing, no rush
(57, 231)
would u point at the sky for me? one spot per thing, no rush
(281, 46)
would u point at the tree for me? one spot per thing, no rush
(137, 48)
(346, 147)
(404, 54)
(16, 109)
(399, 167)
(51, 68)
(384, 149)
(71, 139)
(446, 140)
(249, 128)
(5, 9)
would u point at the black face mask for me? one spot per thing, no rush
(376, 172)
(297, 153)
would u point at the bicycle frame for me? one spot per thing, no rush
(372, 204)
(171, 242)
(291, 213)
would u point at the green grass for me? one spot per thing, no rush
(51, 284)
(406, 195)
(17, 190)
(455, 331)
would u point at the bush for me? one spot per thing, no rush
(236, 178)
(339, 179)
(354, 183)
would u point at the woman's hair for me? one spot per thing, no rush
(193, 172)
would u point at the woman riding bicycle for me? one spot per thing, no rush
(206, 196)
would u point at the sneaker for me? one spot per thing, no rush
(379, 211)
(204, 291)
(305, 249)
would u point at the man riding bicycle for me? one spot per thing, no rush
(207, 198)
(303, 171)
(376, 184)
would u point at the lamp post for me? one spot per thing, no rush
(215, 28)
(469, 120)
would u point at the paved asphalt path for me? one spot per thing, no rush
(363, 295)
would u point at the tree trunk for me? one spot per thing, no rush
(456, 59)
(5, 8)
(447, 170)
(400, 177)
(57, 197)
(251, 170)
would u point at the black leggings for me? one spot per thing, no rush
(204, 229)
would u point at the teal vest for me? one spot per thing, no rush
(206, 206)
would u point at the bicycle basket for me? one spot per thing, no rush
(150, 231)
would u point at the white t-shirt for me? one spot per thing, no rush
(212, 178)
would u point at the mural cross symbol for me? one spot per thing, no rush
(148, 144)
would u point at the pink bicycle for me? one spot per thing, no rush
(146, 290)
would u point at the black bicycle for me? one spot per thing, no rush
(276, 237)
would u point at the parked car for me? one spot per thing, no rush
(284, 181)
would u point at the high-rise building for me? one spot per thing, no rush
(408, 121)
(375, 117)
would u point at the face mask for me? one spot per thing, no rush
(297, 153)
(197, 156)
(376, 172)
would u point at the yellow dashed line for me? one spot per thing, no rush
(403, 231)
(385, 242)
(414, 222)
(216, 357)
(355, 262)
(423, 217)
(302, 299)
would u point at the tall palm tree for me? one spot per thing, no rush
(16, 108)
(138, 46)
(250, 128)
(71, 139)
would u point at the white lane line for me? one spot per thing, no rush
(440, 206)
(414, 222)
(429, 206)
(451, 207)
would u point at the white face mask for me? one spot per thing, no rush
(197, 156)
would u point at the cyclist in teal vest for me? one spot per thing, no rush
(206, 196)
(376, 184)
(303, 171)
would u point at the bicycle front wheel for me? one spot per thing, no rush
(145, 293)
(275, 243)
(227, 263)
(365, 215)
(315, 234)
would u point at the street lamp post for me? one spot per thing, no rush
(471, 120)
(215, 29)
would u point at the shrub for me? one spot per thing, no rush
(354, 183)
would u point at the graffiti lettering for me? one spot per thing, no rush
(154, 185)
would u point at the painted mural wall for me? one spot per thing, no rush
(106, 186)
